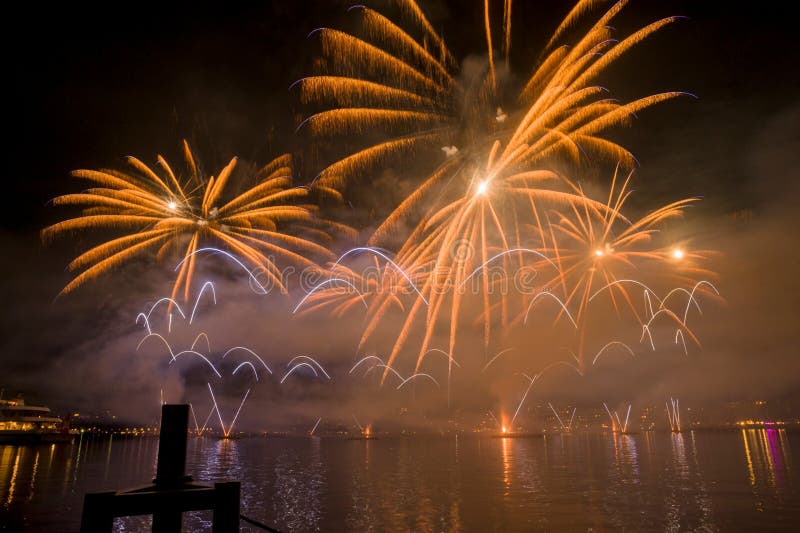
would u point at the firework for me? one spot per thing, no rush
(399, 77)
(160, 210)
(313, 429)
(562, 425)
(600, 252)
(674, 415)
(617, 425)
(496, 192)
(226, 431)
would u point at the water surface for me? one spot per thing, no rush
(713, 481)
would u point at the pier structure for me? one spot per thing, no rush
(172, 492)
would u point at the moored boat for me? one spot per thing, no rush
(30, 424)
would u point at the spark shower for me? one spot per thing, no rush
(501, 233)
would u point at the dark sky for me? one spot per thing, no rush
(87, 85)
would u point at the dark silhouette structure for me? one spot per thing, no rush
(172, 492)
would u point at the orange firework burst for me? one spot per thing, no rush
(399, 78)
(602, 252)
(162, 211)
(495, 193)
(471, 243)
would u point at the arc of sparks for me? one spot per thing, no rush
(497, 356)
(610, 344)
(146, 322)
(331, 280)
(378, 252)
(229, 256)
(444, 353)
(200, 335)
(646, 331)
(668, 312)
(248, 364)
(198, 354)
(200, 294)
(560, 363)
(159, 302)
(251, 352)
(158, 336)
(691, 297)
(557, 299)
(620, 281)
(418, 375)
(364, 359)
(295, 367)
(313, 361)
(380, 365)
(679, 335)
(501, 254)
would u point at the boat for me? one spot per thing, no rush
(30, 424)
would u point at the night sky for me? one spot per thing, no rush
(88, 85)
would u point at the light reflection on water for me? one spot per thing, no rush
(742, 480)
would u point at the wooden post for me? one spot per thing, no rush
(167, 521)
(171, 493)
(97, 516)
(226, 507)
(171, 466)
(171, 469)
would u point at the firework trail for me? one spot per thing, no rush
(311, 360)
(674, 415)
(564, 427)
(311, 433)
(617, 426)
(494, 191)
(226, 432)
(422, 100)
(492, 208)
(249, 365)
(159, 210)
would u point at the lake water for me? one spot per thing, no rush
(713, 481)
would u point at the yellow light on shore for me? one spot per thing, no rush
(677, 253)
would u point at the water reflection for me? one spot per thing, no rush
(767, 457)
(664, 481)
(12, 486)
(679, 455)
(33, 476)
(506, 449)
(299, 479)
(687, 504)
